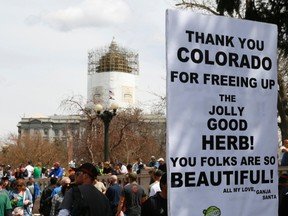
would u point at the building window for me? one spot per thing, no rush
(128, 98)
(46, 132)
(56, 131)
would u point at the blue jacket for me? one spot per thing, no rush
(37, 191)
(58, 173)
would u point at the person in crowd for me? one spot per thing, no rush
(71, 170)
(5, 205)
(121, 169)
(107, 169)
(99, 185)
(155, 186)
(21, 198)
(45, 200)
(7, 171)
(157, 205)
(153, 163)
(37, 171)
(138, 166)
(57, 171)
(2, 190)
(30, 169)
(284, 150)
(162, 165)
(129, 168)
(126, 179)
(62, 181)
(58, 199)
(44, 172)
(64, 171)
(113, 193)
(72, 178)
(100, 168)
(82, 198)
(33, 188)
(21, 172)
(2, 170)
(133, 195)
(6, 184)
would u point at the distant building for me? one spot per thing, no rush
(112, 76)
(50, 127)
(68, 129)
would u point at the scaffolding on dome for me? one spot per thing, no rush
(112, 58)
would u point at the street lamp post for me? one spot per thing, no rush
(106, 117)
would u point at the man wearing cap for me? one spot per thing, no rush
(162, 165)
(57, 171)
(84, 198)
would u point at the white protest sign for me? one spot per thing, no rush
(221, 116)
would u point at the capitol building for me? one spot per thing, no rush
(113, 74)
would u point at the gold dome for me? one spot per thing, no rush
(114, 60)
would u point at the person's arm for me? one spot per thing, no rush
(51, 173)
(37, 190)
(28, 198)
(60, 172)
(103, 188)
(284, 149)
(120, 205)
(144, 198)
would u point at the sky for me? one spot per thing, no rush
(44, 46)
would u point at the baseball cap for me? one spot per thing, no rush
(57, 164)
(88, 168)
(160, 159)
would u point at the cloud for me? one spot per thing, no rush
(90, 13)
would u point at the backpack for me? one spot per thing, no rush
(79, 207)
(25, 174)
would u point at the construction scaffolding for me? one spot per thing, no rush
(112, 58)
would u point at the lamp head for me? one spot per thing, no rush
(114, 106)
(98, 108)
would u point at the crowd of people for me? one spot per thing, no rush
(78, 191)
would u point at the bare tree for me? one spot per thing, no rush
(34, 148)
(130, 134)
